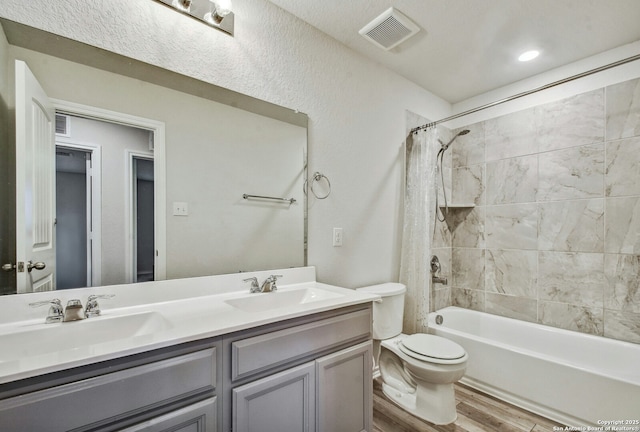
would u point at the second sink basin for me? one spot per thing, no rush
(41, 339)
(281, 299)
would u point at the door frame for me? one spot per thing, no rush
(157, 128)
(94, 216)
(131, 226)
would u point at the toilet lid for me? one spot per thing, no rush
(431, 346)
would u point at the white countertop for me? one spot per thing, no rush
(202, 312)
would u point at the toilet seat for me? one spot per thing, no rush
(432, 348)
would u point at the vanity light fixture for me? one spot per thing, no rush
(219, 10)
(528, 55)
(215, 13)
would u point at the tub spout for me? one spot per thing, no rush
(441, 280)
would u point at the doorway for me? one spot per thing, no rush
(78, 241)
(142, 217)
(105, 212)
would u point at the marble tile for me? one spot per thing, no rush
(571, 277)
(622, 291)
(570, 122)
(467, 227)
(468, 298)
(441, 235)
(571, 226)
(468, 185)
(510, 135)
(622, 225)
(467, 268)
(622, 325)
(469, 148)
(572, 173)
(513, 226)
(623, 110)
(623, 167)
(441, 299)
(512, 272)
(447, 185)
(571, 317)
(513, 180)
(524, 309)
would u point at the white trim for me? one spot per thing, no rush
(159, 167)
(130, 225)
(96, 203)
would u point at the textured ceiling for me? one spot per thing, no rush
(468, 47)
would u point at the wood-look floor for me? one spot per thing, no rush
(476, 412)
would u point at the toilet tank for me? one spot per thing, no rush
(388, 313)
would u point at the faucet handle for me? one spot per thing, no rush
(270, 283)
(93, 308)
(55, 314)
(254, 284)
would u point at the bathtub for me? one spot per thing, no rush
(576, 379)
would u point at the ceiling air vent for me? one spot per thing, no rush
(389, 29)
(62, 125)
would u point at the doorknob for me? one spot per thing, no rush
(8, 267)
(38, 266)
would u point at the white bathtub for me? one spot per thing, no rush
(576, 379)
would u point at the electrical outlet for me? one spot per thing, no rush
(337, 237)
(180, 209)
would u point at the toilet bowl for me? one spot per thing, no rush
(417, 371)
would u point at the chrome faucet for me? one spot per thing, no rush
(55, 314)
(255, 288)
(73, 311)
(92, 308)
(269, 285)
(435, 270)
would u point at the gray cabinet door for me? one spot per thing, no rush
(198, 417)
(344, 390)
(284, 402)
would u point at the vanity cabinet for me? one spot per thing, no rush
(161, 390)
(311, 373)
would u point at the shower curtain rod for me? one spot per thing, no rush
(528, 92)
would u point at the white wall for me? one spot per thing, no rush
(356, 107)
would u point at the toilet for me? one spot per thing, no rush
(417, 371)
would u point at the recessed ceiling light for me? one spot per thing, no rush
(528, 55)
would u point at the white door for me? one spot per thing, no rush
(35, 184)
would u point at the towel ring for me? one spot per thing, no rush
(316, 178)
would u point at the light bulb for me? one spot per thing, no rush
(221, 8)
(529, 55)
(183, 5)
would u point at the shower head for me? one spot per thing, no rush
(446, 146)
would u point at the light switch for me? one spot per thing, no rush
(337, 237)
(180, 209)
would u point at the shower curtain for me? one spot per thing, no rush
(417, 233)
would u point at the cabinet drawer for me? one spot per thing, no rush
(113, 396)
(199, 417)
(259, 353)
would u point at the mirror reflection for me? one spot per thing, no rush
(211, 154)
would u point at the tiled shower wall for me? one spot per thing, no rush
(554, 236)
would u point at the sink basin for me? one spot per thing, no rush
(281, 299)
(41, 339)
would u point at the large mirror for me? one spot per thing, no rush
(219, 159)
